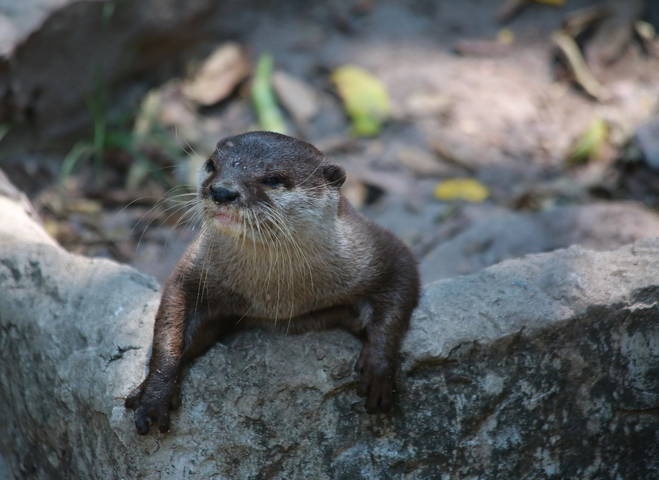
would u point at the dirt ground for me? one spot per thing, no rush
(471, 97)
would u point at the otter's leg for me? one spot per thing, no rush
(202, 331)
(178, 337)
(151, 400)
(386, 323)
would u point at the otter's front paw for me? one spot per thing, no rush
(376, 382)
(152, 401)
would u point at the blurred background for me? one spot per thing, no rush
(477, 130)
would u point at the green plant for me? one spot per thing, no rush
(4, 130)
(113, 132)
(264, 100)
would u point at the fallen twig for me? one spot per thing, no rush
(578, 66)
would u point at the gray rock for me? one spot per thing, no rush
(418, 224)
(647, 138)
(104, 43)
(504, 235)
(538, 368)
(4, 469)
(19, 19)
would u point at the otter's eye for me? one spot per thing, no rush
(273, 181)
(210, 166)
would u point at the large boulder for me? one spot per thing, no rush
(55, 54)
(544, 367)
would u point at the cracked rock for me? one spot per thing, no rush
(542, 367)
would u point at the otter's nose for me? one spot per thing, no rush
(223, 195)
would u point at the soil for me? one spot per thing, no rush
(501, 114)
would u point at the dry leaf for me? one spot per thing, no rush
(421, 162)
(218, 76)
(582, 74)
(555, 3)
(297, 97)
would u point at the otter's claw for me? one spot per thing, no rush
(151, 406)
(376, 383)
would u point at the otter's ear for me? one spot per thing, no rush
(334, 175)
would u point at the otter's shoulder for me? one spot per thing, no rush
(384, 243)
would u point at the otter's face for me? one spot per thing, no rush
(259, 183)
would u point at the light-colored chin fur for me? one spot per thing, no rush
(230, 229)
(279, 269)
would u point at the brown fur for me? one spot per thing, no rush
(298, 257)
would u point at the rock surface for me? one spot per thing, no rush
(544, 367)
(647, 138)
(104, 43)
(501, 234)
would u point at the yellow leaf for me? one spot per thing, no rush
(466, 189)
(364, 97)
(556, 3)
(645, 30)
(84, 206)
(506, 36)
(53, 228)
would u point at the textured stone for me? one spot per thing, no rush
(19, 19)
(544, 367)
(104, 43)
(647, 138)
(502, 235)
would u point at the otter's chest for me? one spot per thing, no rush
(287, 289)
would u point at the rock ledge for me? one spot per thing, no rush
(545, 367)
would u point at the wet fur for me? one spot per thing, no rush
(300, 259)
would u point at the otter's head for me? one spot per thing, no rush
(259, 183)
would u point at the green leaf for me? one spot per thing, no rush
(79, 151)
(267, 110)
(4, 130)
(589, 145)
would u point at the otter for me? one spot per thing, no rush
(279, 247)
